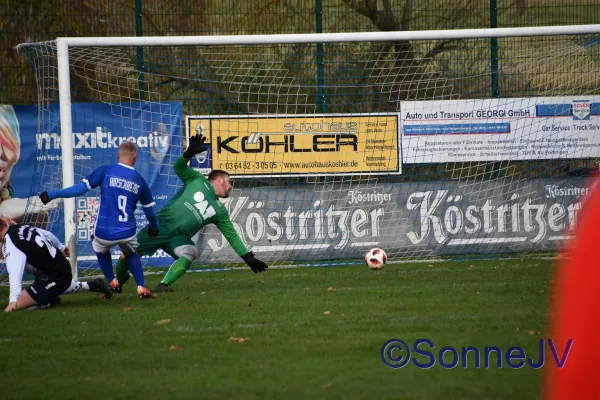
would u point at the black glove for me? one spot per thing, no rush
(153, 232)
(196, 146)
(44, 197)
(255, 264)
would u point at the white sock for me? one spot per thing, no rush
(77, 286)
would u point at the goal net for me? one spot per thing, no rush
(425, 144)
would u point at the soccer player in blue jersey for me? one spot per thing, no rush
(121, 187)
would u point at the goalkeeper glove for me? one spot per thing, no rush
(153, 232)
(255, 264)
(196, 146)
(45, 198)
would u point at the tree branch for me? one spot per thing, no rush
(406, 15)
(440, 47)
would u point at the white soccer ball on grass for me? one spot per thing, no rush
(375, 258)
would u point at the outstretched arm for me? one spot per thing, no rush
(71, 191)
(182, 169)
(89, 182)
(227, 229)
(229, 232)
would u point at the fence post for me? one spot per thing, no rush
(140, 50)
(321, 100)
(493, 170)
(494, 49)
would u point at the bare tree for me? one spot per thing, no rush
(406, 63)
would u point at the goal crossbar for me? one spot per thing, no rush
(125, 41)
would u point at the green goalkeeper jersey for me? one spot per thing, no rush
(194, 206)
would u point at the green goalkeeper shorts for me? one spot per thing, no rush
(164, 240)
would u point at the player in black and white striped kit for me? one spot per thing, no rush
(24, 244)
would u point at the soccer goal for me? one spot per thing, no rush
(454, 143)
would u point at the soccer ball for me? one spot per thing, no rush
(375, 258)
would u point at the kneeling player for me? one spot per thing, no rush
(98, 285)
(25, 244)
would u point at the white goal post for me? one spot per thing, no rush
(435, 105)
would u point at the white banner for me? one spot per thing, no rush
(340, 220)
(500, 129)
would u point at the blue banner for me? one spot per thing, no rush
(31, 159)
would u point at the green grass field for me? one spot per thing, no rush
(312, 333)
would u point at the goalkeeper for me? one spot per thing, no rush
(194, 206)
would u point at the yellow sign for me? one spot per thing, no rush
(300, 145)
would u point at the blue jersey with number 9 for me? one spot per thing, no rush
(121, 187)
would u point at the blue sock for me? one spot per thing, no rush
(135, 266)
(105, 262)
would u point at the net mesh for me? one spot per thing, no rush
(424, 148)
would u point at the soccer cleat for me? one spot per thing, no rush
(162, 288)
(114, 285)
(114, 288)
(98, 285)
(144, 293)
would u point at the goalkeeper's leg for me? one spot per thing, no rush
(122, 270)
(184, 250)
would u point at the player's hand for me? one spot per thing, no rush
(153, 232)
(196, 146)
(255, 264)
(12, 306)
(67, 252)
(44, 197)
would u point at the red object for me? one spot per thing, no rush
(575, 311)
